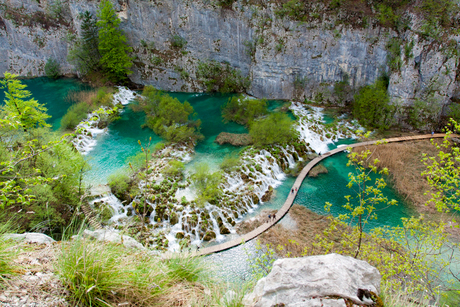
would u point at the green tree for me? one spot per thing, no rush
(372, 106)
(19, 106)
(85, 53)
(277, 128)
(113, 48)
(170, 118)
(367, 195)
(243, 110)
(52, 69)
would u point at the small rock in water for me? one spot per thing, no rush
(319, 169)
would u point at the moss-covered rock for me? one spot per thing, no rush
(268, 194)
(179, 235)
(209, 236)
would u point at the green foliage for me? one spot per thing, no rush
(296, 9)
(372, 106)
(79, 111)
(112, 44)
(277, 128)
(454, 111)
(172, 119)
(226, 3)
(251, 47)
(175, 168)
(18, 107)
(119, 184)
(40, 170)
(368, 194)
(75, 114)
(394, 54)
(408, 50)
(424, 114)
(221, 77)
(230, 163)
(52, 69)
(207, 184)
(84, 53)
(178, 41)
(261, 262)
(8, 252)
(243, 110)
(386, 16)
(443, 173)
(300, 83)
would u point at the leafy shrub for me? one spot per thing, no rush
(178, 42)
(243, 110)
(174, 168)
(52, 69)
(119, 184)
(372, 106)
(168, 117)
(75, 114)
(277, 128)
(424, 114)
(394, 54)
(207, 183)
(230, 163)
(221, 77)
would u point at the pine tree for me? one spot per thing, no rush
(112, 44)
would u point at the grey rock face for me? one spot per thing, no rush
(314, 281)
(288, 59)
(112, 236)
(31, 237)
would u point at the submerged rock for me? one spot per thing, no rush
(319, 169)
(234, 139)
(328, 280)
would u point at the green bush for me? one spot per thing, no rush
(424, 114)
(394, 53)
(230, 163)
(243, 110)
(178, 42)
(277, 128)
(207, 183)
(174, 168)
(172, 119)
(221, 77)
(8, 252)
(52, 69)
(372, 106)
(75, 114)
(119, 184)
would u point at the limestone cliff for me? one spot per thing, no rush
(284, 58)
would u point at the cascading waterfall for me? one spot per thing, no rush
(312, 130)
(88, 129)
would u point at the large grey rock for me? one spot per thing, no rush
(112, 236)
(314, 281)
(31, 237)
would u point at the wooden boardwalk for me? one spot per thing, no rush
(290, 199)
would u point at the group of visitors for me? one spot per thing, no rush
(271, 216)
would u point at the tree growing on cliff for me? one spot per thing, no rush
(113, 48)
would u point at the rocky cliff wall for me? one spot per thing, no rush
(287, 59)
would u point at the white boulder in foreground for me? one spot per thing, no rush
(30, 237)
(315, 281)
(112, 236)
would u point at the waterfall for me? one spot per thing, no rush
(88, 129)
(313, 131)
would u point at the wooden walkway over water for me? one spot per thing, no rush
(290, 200)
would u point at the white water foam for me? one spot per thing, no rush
(312, 130)
(88, 129)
